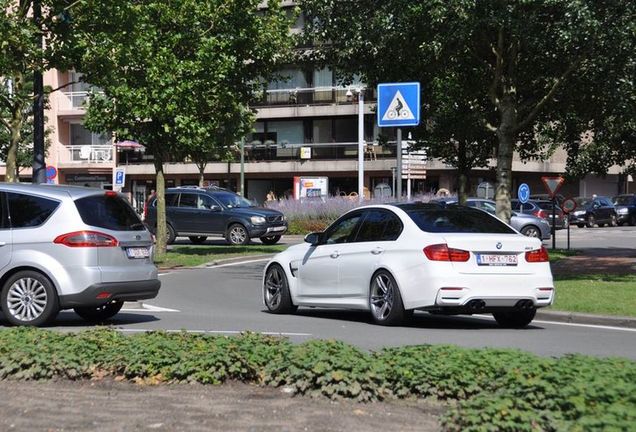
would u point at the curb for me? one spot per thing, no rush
(581, 318)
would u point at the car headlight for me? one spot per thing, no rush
(284, 218)
(623, 211)
(579, 213)
(257, 220)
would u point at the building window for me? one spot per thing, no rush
(81, 136)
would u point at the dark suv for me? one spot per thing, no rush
(625, 208)
(595, 210)
(198, 213)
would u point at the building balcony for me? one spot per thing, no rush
(71, 104)
(102, 156)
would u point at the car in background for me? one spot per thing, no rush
(393, 259)
(546, 197)
(594, 211)
(68, 247)
(198, 213)
(625, 208)
(527, 224)
(542, 209)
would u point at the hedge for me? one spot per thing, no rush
(485, 389)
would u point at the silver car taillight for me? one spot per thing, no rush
(86, 239)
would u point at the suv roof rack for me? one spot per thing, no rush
(212, 187)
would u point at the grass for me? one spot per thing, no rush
(596, 294)
(559, 254)
(190, 256)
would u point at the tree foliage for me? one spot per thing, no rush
(176, 76)
(525, 66)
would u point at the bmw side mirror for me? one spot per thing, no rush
(313, 238)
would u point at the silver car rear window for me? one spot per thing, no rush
(109, 212)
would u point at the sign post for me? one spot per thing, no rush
(568, 207)
(399, 105)
(552, 185)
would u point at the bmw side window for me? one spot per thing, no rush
(343, 231)
(188, 200)
(393, 228)
(27, 211)
(379, 225)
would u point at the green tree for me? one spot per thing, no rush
(20, 56)
(170, 72)
(530, 61)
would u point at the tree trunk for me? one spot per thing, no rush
(16, 122)
(161, 231)
(201, 167)
(463, 186)
(506, 145)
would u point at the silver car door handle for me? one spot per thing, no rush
(335, 254)
(377, 251)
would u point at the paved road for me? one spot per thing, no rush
(622, 237)
(226, 300)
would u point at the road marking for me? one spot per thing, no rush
(163, 274)
(267, 333)
(149, 308)
(596, 326)
(238, 263)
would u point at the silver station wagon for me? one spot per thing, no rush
(66, 247)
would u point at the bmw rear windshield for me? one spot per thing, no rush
(457, 219)
(108, 211)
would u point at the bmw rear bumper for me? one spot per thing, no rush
(101, 293)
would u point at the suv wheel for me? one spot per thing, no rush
(29, 298)
(270, 240)
(171, 234)
(590, 221)
(100, 313)
(198, 239)
(613, 221)
(237, 235)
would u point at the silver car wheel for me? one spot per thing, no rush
(382, 294)
(26, 299)
(274, 285)
(531, 232)
(237, 235)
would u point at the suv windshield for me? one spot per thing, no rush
(456, 219)
(110, 212)
(232, 200)
(624, 200)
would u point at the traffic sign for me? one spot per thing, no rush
(51, 172)
(568, 205)
(119, 177)
(552, 184)
(398, 104)
(523, 193)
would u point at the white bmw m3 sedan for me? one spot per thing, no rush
(394, 259)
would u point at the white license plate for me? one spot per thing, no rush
(496, 260)
(279, 228)
(138, 252)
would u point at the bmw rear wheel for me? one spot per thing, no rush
(100, 313)
(29, 298)
(515, 318)
(276, 291)
(385, 300)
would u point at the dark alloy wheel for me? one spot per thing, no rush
(590, 222)
(515, 318)
(276, 291)
(29, 298)
(171, 234)
(100, 313)
(237, 235)
(385, 300)
(270, 240)
(198, 239)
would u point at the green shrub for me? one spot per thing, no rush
(486, 389)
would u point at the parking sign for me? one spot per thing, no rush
(119, 177)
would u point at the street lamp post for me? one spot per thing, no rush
(39, 173)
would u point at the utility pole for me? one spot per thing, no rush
(39, 167)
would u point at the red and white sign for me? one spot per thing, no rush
(568, 205)
(552, 184)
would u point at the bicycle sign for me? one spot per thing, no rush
(398, 104)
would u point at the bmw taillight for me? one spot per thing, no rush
(441, 252)
(86, 239)
(537, 255)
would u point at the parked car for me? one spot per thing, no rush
(546, 197)
(198, 213)
(527, 224)
(593, 211)
(542, 209)
(625, 208)
(394, 259)
(65, 247)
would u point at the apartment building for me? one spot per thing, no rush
(307, 126)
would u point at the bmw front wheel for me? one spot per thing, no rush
(276, 291)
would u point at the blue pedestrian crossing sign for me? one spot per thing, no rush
(398, 104)
(523, 193)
